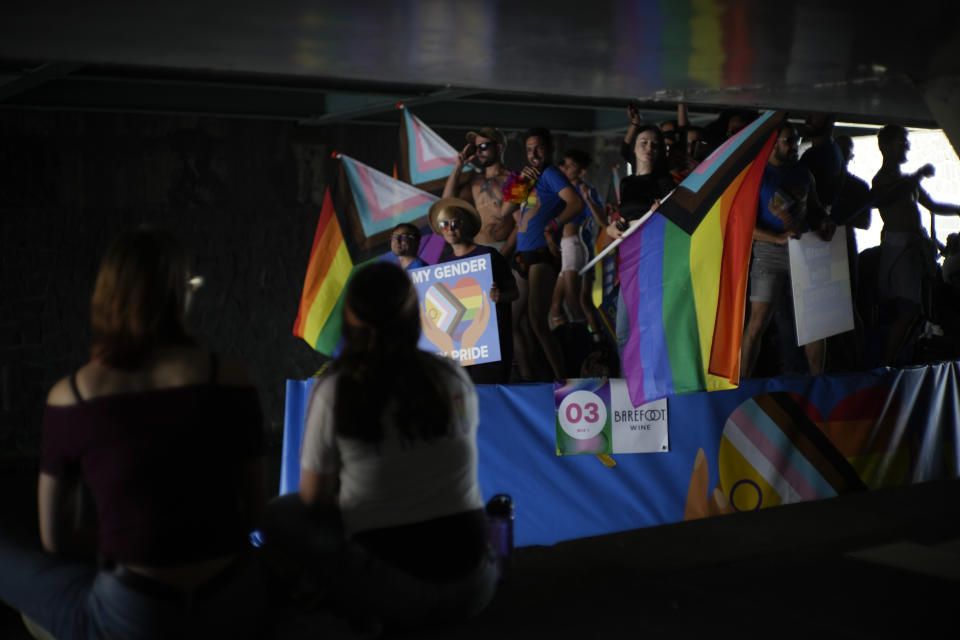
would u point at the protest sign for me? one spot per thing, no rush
(820, 277)
(457, 318)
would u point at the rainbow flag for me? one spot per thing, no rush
(684, 273)
(426, 159)
(329, 269)
(331, 264)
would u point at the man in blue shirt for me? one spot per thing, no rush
(404, 243)
(550, 203)
(788, 206)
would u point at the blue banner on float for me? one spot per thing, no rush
(772, 441)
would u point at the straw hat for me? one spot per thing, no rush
(449, 204)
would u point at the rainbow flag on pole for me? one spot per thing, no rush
(684, 273)
(318, 318)
(375, 203)
(426, 159)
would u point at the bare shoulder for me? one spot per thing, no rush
(61, 395)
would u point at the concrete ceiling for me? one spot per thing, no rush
(571, 66)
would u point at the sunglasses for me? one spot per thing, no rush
(483, 146)
(451, 224)
(409, 237)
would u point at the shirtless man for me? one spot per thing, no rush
(907, 256)
(485, 191)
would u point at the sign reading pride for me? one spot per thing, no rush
(456, 316)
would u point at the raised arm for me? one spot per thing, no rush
(626, 147)
(936, 207)
(465, 155)
(595, 210)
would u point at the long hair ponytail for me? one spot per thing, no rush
(382, 374)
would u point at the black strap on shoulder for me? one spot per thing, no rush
(73, 386)
(214, 367)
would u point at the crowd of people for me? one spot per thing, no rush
(142, 536)
(546, 233)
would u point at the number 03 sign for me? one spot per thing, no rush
(596, 416)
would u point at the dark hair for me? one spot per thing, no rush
(660, 164)
(412, 228)
(380, 368)
(953, 244)
(140, 297)
(786, 124)
(704, 147)
(582, 158)
(888, 135)
(845, 143)
(544, 134)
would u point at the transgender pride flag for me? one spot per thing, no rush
(370, 204)
(375, 203)
(684, 273)
(426, 159)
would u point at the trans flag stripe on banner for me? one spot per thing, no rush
(684, 273)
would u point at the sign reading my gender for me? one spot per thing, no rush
(596, 416)
(456, 315)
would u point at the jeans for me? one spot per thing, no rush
(74, 599)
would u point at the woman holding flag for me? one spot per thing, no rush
(639, 194)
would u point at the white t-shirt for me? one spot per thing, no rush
(393, 483)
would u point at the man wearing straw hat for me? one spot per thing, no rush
(458, 222)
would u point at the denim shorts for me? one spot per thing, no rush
(769, 272)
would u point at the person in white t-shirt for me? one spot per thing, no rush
(389, 470)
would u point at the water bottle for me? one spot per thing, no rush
(500, 526)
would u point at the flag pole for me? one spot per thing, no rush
(636, 224)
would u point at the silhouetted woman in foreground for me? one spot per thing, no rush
(166, 439)
(394, 532)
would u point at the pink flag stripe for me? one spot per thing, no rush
(379, 213)
(423, 164)
(780, 462)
